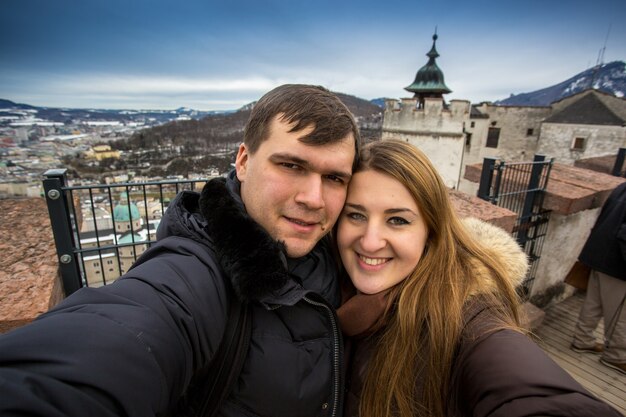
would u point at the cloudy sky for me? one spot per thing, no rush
(222, 54)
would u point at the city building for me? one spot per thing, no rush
(456, 134)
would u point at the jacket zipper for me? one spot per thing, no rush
(337, 371)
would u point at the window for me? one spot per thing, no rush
(578, 144)
(492, 137)
(97, 271)
(472, 124)
(96, 264)
(468, 139)
(530, 132)
(109, 262)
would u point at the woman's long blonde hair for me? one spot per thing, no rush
(424, 327)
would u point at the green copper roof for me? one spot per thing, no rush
(429, 78)
(123, 212)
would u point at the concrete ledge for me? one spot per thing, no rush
(29, 276)
(570, 189)
(602, 164)
(469, 206)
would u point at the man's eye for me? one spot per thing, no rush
(335, 178)
(289, 165)
(397, 221)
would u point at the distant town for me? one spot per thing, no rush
(31, 144)
(120, 146)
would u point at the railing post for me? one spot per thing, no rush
(529, 201)
(53, 183)
(486, 175)
(619, 163)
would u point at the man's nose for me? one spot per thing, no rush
(311, 192)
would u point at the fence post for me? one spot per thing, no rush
(529, 201)
(619, 163)
(58, 209)
(486, 175)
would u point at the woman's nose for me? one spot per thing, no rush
(373, 239)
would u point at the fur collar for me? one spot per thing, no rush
(254, 262)
(504, 247)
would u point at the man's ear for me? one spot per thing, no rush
(241, 162)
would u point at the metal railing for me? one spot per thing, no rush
(100, 230)
(618, 168)
(520, 187)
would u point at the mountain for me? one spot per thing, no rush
(380, 102)
(11, 112)
(7, 104)
(17, 113)
(219, 130)
(610, 78)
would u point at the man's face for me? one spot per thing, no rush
(293, 190)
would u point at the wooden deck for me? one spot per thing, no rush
(555, 336)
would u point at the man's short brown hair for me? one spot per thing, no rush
(304, 105)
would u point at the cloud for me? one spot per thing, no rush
(157, 85)
(141, 91)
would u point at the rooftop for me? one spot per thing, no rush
(589, 109)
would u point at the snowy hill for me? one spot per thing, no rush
(610, 78)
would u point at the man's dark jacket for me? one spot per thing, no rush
(131, 348)
(605, 249)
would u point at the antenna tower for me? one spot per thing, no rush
(600, 60)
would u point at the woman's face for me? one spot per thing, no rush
(381, 233)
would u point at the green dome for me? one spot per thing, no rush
(429, 78)
(123, 212)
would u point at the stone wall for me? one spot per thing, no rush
(575, 196)
(516, 143)
(29, 277)
(557, 139)
(436, 130)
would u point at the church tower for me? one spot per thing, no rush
(427, 122)
(429, 81)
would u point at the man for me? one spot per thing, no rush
(132, 347)
(605, 253)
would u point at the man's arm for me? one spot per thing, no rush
(129, 348)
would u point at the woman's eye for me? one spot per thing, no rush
(355, 216)
(397, 221)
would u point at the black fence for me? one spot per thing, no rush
(520, 187)
(101, 229)
(618, 168)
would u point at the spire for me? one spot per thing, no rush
(429, 79)
(432, 54)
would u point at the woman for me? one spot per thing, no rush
(433, 325)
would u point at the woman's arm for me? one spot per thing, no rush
(505, 374)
